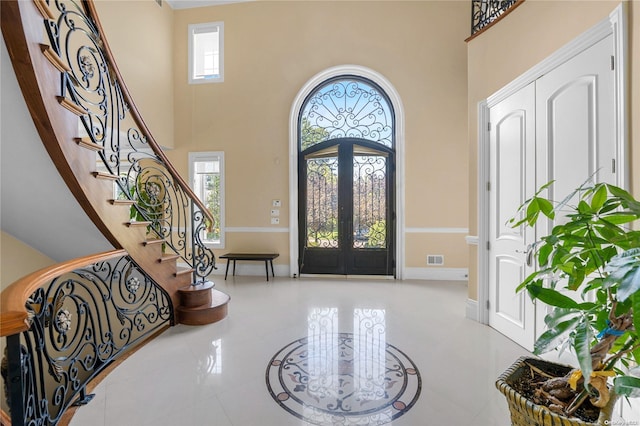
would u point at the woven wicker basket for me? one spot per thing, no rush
(525, 412)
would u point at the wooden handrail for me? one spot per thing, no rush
(137, 117)
(13, 313)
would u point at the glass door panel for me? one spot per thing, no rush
(322, 202)
(369, 201)
(346, 223)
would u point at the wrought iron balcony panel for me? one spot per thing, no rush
(484, 12)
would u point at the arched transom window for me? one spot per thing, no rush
(346, 107)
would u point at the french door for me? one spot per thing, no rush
(346, 212)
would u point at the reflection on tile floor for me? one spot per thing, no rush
(344, 378)
(215, 374)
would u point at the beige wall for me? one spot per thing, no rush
(524, 38)
(18, 259)
(273, 48)
(140, 34)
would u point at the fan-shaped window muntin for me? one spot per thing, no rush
(346, 107)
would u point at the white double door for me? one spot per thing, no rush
(560, 127)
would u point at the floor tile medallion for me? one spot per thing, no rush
(342, 379)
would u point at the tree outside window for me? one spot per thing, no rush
(206, 171)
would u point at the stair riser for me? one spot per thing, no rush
(202, 316)
(195, 299)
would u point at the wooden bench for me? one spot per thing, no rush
(266, 257)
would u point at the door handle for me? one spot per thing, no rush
(529, 254)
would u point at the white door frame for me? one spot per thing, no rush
(394, 97)
(615, 24)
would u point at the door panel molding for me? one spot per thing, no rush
(512, 150)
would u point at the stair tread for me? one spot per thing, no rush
(121, 202)
(87, 143)
(168, 257)
(104, 175)
(138, 223)
(154, 241)
(182, 271)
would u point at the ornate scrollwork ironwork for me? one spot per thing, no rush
(484, 12)
(322, 202)
(125, 152)
(203, 258)
(346, 107)
(369, 201)
(81, 322)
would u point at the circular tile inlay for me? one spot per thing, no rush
(342, 379)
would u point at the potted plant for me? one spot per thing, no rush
(588, 274)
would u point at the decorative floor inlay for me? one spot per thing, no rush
(342, 379)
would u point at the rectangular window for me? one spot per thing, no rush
(206, 175)
(206, 52)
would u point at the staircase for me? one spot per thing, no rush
(106, 155)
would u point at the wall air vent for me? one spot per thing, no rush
(435, 260)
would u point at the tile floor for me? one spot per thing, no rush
(215, 374)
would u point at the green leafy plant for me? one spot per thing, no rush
(588, 272)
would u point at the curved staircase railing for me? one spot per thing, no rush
(100, 144)
(115, 130)
(67, 323)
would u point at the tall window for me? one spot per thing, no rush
(206, 173)
(206, 52)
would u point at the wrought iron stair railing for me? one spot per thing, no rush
(125, 147)
(66, 324)
(106, 124)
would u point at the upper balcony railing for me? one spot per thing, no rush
(486, 12)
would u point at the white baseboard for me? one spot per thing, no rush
(472, 309)
(444, 274)
(257, 269)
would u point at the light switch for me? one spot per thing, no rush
(276, 203)
(275, 212)
(275, 221)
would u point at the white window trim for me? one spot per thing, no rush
(194, 28)
(204, 156)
